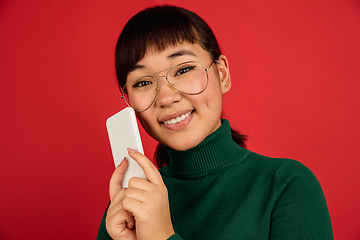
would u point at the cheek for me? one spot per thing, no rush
(213, 94)
(148, 122)
(143, 120)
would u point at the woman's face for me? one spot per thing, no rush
(201, 112)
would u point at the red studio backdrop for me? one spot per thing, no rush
(295, 67)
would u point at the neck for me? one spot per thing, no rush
(216, 152)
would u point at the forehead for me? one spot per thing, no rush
(179, 51)
(156, 60)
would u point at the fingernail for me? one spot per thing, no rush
(130, 150)
(122, 162)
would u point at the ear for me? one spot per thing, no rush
(224, 73)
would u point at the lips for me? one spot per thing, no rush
(169, 120)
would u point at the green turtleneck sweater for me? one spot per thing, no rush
(219, 190)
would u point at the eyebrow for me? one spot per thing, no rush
(137, 66)
(181, 53)
(171, 56)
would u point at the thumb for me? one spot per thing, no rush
(151, 172)
(117, 178)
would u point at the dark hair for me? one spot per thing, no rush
(160, 27)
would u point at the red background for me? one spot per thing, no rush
(295, 71)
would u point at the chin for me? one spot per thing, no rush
(182, 148)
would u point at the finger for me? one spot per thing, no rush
(116, 178)
(151, 172)
(119, 221)
(115, 204)
(133, 206)
(137, 194)
(119, 196)
(140, 183)
(128, 220)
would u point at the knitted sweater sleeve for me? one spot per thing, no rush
(300, 210)
(102, 232)
(175, 237)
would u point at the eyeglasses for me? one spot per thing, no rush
(187, 77)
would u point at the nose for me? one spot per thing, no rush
(167, 94)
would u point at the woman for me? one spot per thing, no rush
(172, 73)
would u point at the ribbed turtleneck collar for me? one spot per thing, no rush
(215, 153)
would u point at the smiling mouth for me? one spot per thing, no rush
(178, 119)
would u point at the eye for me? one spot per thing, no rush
(142, 83)
(183, 70)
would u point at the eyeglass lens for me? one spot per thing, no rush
(189, 78)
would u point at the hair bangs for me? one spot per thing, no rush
(169, 30)
(156, 28)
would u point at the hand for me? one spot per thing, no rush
(147, 201)
(119, 223)
(144, 204)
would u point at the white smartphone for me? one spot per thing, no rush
(124, 133)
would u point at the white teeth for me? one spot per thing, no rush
(178, 119)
